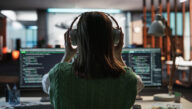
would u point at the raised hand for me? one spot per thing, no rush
(69, 50)
(118, 48)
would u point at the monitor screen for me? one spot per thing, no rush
(145, 62)
(35, 62)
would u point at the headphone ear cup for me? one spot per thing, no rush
(116, 35)
(73, 36)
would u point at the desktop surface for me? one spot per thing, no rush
(34, 102)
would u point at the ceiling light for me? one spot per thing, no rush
(182, 1)
(26, 15)
(9, 14)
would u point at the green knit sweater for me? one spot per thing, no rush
(67, 91)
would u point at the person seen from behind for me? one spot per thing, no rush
(98, 78)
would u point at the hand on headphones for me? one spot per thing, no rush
(118, 48)
(69, 50)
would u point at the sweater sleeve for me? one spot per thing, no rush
(46, 83)
(140, 84)
(53, 74)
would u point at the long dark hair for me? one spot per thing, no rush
(95, 58)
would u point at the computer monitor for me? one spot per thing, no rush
(35, 62)
(146, 62)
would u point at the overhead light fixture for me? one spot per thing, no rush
(181, 1)
(76, 10)
(9, 14)
(26, 15)
(20, 15)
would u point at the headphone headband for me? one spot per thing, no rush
(113, 20)
(115, 31)
(105, 14)
(74, 22)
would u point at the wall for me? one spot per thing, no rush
(56, 35)
(187, 37)
(137, 26)
(15, 30)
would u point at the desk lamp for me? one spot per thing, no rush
(159, 28)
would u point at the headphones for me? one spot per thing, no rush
(115, 31)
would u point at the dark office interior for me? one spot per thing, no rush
(33, 32)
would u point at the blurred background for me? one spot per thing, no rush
(42, 24)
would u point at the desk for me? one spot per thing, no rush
(26, 101)
(146, 103)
